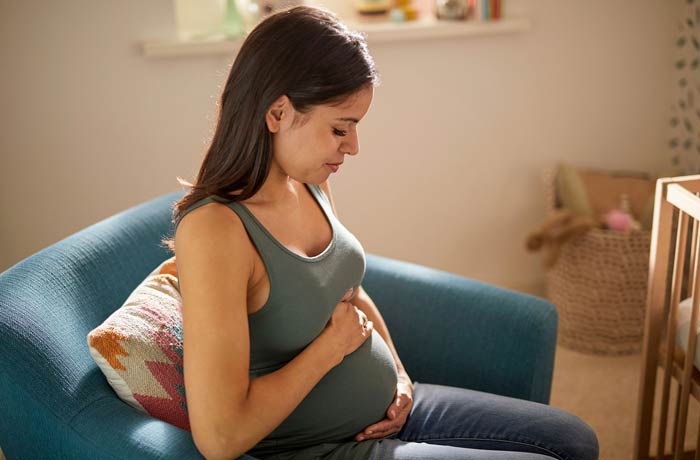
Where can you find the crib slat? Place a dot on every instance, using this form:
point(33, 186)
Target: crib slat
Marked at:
point(678, 407)
point(656, 296)
point(692, 251)
point(697, 443)
point(677, 280)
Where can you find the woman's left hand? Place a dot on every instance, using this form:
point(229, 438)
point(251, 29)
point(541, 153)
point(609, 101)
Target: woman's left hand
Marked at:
point(396, 414)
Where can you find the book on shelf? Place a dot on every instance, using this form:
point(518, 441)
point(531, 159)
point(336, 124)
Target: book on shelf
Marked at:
point(486, 10)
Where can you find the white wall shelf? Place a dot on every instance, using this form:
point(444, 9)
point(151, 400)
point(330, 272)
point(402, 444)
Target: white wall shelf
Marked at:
point(377, 32)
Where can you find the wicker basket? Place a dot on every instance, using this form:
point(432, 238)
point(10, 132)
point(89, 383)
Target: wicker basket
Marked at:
point(599, 286)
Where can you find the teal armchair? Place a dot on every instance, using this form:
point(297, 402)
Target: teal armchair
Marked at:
point(55, 403)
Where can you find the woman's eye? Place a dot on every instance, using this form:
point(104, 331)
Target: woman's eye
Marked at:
point(337, 132)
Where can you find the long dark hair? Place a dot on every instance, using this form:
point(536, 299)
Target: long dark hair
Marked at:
point(304, 52)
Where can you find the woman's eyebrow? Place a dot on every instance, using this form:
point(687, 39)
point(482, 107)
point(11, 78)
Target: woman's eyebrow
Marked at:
point(354, 120)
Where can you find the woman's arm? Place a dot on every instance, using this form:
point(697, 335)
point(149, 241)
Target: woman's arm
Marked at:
point(229, 414)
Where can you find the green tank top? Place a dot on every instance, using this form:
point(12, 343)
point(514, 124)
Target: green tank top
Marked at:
point(303, 294)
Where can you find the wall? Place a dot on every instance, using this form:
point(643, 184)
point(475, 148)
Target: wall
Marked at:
point(451, 150)
point(684, 117)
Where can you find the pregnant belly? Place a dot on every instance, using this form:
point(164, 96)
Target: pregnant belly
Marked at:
point(351, 396)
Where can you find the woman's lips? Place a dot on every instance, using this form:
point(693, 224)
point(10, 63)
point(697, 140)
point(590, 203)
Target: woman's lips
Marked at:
point(333, 168)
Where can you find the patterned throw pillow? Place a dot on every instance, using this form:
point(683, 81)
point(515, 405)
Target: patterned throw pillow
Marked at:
point(139, 348)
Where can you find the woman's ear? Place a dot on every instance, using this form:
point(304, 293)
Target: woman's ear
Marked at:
point(278, 111)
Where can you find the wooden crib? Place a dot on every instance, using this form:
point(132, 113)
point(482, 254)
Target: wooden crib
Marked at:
point(673, 243)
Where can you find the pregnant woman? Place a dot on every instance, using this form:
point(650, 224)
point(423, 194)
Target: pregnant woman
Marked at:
point(285, 355)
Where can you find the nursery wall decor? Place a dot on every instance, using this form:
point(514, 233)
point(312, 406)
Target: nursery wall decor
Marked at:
point(684, 143)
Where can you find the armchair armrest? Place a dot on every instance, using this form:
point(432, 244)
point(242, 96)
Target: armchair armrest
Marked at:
point(118, 431)
point(456, 331)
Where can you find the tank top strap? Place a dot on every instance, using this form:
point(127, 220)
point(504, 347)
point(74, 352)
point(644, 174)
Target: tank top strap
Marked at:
point(321, 198)
point(255, 230)
point(268, 246)
point(197, 204)
point(236, 207)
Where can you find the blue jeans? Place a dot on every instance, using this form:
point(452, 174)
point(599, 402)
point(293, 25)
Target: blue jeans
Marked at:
point(449, 423)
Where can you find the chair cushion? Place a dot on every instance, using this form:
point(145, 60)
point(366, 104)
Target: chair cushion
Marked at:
point(139, 348)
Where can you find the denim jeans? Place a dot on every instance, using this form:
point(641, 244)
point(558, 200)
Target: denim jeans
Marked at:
point(450, 423)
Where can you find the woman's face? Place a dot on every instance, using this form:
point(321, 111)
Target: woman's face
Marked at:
point(303, 151)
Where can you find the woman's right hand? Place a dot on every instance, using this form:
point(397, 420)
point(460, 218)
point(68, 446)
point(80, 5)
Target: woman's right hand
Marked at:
point(347, 328)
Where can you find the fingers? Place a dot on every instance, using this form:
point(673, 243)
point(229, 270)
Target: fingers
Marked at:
point(367, 330)
point(364, 320)
point(401, 404)
point(384, 425)
point(378, 433)
point(397, 414)
point(384, 428)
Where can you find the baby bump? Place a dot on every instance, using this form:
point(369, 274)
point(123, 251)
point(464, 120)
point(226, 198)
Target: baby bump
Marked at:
point(351, 396)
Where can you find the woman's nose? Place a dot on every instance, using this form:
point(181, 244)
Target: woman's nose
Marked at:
point(352, 147)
